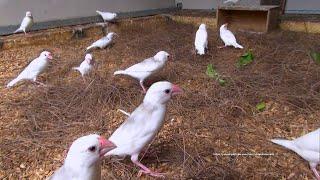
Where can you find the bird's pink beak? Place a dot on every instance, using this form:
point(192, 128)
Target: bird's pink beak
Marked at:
point(226, 24)
point(105, 146)
point(49, 56)
point(176, 90)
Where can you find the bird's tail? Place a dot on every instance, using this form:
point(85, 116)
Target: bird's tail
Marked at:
point(200, 51)
point(18, 30)
point(13, 82)
point(99, 12)
point(285, 143)
point(76, 68)
point(238, 46)
point(90, 48)
point(119, 72)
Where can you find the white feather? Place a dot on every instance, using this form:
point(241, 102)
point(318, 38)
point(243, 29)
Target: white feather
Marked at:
point(201, 40)
point(85, 67)
point(228, 37)
point(103, 42)
point(26, 24)
point(107, 16)
point(307, 146)
point(147, 67)
point(32, 70)
point(80, 164)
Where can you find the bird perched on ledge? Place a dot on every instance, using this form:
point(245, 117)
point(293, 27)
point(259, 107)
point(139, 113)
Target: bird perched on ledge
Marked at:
point(26, 23)
point(107, 16)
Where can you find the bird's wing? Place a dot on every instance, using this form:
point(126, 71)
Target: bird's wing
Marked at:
point(148, 65)
point(134, 128)
point(228, 37)
point(26, 22)
point(31, 68)
point(61, 173)
point(201, 38)
point(310, 141)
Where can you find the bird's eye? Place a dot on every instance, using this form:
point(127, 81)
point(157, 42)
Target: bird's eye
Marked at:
point(92, 149)
point(167, 91)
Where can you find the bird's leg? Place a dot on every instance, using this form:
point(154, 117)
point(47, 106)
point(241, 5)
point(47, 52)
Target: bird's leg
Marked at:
point(84, 79)
point(124, 112)
point(144, 169)
point(144, 89)
point(220, 47)
point(315, 173)
point(40, 83)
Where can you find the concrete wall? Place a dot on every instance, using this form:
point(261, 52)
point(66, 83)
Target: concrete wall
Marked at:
point(293, 6)
point(198, 4)
point(12, 11)
point(303, 6)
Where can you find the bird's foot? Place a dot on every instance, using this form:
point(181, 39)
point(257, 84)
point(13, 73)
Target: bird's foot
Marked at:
point(220, 47)
point(151, 173)
point(40, 84)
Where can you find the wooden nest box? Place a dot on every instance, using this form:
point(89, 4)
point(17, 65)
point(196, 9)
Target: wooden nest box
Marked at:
point(249, 15)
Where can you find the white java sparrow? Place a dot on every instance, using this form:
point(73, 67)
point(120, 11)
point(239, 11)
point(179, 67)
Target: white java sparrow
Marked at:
point(83, 159)
point(147, 67)
point(26, 23)
point(201, 41)
point(143, 124)
point(86, 65)
point(230, 1)
point(228, 38)
point(33, 69)
point(107, 16)
point(307, 146)
point(103, 42)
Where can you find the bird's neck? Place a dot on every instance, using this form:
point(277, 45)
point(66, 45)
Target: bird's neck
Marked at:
point(83, 170)
point(152, 105)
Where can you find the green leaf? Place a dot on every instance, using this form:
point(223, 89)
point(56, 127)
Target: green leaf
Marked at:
point(211, 72)
point(315, 56)
point(245, 59)
point(222, 82)
point(261, 106)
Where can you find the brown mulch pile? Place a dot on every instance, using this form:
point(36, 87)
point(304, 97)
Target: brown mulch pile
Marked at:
point(38, 124)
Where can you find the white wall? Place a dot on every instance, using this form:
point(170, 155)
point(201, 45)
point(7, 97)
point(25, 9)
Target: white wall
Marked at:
point(12, 11)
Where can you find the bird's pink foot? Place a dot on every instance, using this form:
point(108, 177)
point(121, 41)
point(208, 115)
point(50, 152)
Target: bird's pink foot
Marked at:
point(316, 173)
point(220, 47)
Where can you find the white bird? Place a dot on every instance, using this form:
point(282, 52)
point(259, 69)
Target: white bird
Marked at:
point(103, 42)
point(201, 41)
point(83, 159)
point(26, 23)
point(228, 38)
point(107, 16)
point(33, 69)
point(307, 146)
point(143, 124)
point(147, 67)
point(86, 65)
point(230, 1)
